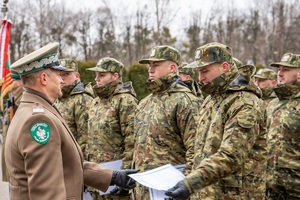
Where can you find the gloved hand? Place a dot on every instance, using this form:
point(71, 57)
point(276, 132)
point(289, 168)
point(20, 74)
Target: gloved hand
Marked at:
point(179, 191)
point(121, 178)
point(119, 191)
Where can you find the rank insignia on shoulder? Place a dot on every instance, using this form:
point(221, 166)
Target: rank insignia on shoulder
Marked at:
point(38, 109)
point(40, 132)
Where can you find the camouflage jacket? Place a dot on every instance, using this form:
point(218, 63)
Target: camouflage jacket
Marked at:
point(111, 119)
point(165, 124)
point(195, 88)
point(227, 131)
point(283, 138)
point(73, 106)
point(268, 95)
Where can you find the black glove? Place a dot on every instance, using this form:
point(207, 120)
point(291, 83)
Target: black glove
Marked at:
point(179, 191)
point(119, 191)
point(121, 179)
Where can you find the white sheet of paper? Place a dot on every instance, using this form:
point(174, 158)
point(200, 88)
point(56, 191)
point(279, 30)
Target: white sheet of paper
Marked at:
point(161, 178)
point(160, 194)
point(115, 165)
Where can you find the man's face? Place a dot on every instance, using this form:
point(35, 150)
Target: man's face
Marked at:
point(54, 85)
point(185, 77)
point(265, 83)
point(69, 78)
point(287, 75)
point(210, 72)
point(103, 78)
point(159, 69)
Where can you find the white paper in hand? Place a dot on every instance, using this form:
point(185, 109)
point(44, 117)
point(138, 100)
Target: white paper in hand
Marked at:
point(161, 178)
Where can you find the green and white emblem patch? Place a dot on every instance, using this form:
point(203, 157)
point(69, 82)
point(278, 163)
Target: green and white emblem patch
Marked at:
point(40, 132)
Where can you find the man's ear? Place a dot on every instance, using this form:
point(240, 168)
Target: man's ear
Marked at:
point(115, 76)
point(225, 66)
point(173, 67)
point(43, 78)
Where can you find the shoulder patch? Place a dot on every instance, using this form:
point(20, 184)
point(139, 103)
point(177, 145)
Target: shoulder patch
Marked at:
point(40, 132)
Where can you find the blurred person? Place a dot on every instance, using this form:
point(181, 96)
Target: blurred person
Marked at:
point(165, 121)
point(266, 80)
point(227, 130)
point(111, 119)
point(283, 166)
point(11, 108)
point(75, 102)
point(187, 76)
point(49, 165)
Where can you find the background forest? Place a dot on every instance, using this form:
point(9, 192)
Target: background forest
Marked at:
point(258, 35)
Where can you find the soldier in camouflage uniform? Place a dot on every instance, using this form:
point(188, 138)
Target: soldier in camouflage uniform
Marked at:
point(255, 165)
point(266, 80)
point(165, 121)
point(187, 76)
point(227, 131)
point(283, 166)
point(75, 102)
point(111, 119)
point(12, 106)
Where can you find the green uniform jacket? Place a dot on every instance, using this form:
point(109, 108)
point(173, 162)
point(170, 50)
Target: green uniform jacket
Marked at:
point(283, 169)
point(110, 124)
point(165, 125)
point(228, 129)
point(74, 105)
point(50, 170)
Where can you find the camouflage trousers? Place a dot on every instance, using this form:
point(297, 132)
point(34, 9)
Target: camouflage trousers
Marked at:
point(283, 183)
point(215, 192)
point(96, 196)
point(140, 193)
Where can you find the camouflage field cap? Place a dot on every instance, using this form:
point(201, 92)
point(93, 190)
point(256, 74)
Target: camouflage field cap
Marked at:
point(15, 75)
point(70, 64)
point(211, 53)
point(45, 57)
point(188, 71)
point(107, 65)
point(288, 60)
point(162, 53)
point(266, 73)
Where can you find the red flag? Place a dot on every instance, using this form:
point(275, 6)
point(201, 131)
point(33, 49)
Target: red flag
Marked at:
point(5, 74)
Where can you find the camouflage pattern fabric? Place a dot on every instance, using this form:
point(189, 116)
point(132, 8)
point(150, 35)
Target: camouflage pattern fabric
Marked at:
point(228, 129)
point(165, 127)
point(111, 119)
point(283, 166)
point(288, 60)
point(211, 53)
point(73, 106)
point(6, 123)
point(195, 88)
point(188, 71)
point(266, 73)
point(162, 53)
point(70, 64)
point(108, 65)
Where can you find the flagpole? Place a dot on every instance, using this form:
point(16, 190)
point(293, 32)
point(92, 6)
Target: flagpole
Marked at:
point(4, 8)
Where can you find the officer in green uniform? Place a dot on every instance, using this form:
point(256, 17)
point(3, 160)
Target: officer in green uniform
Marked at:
point(283, 166)
point(43, 159)
point(75, 102)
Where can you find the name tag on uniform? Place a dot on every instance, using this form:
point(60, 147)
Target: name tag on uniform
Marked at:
point(38, 110)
